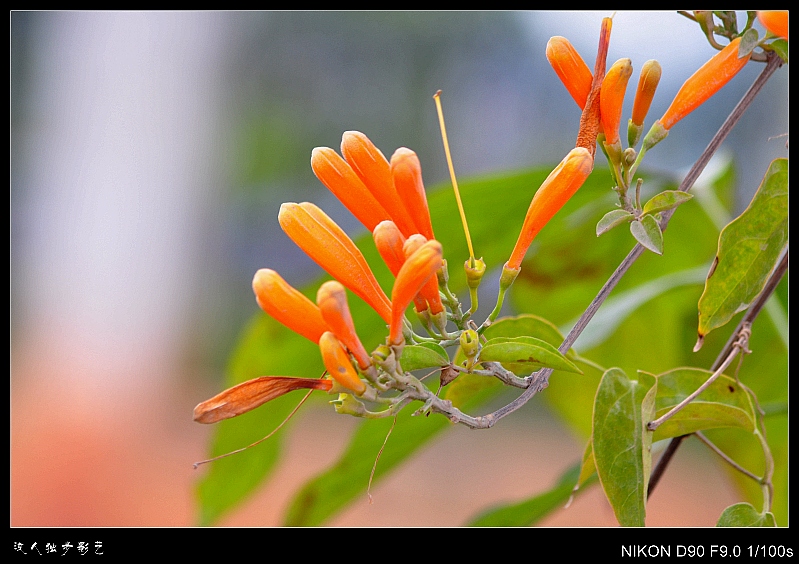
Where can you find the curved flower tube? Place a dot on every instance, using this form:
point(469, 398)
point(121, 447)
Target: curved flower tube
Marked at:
point(417, 270)
point(375, 172)
point(705, 82)
point(327, 244)
point(251, 394)
point(429, 292)
point(332, 301)
point(559, 186)
point(338, 364)
point(341, 180)
point(287, 305)
point(390, 243)
point(406, 170)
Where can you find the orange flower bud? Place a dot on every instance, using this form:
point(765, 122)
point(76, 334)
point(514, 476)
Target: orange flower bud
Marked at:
point(559, 186)
point(406, 170)
point(374, 171)
point(251, 394)
point(775, 21)
point(647, 84)
point(417, 270)
point(332, 301)
point(327, 244)
point(338, 364)
point(570, 68)
point(611, 98)
point(287, 305)
point(705, 82)
point(341, 180)
point(429, 292)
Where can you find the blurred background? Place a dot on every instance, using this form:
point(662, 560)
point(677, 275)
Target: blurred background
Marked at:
point(150, 153)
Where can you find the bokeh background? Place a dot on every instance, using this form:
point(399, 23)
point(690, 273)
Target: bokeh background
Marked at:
point(150, 153)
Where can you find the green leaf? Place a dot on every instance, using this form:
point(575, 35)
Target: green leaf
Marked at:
point(527, 350)
point(666, 200)
point(612, 219)
point(425, 355)
point(587, 466)
point(748, 42)
point(780, 46)
point(648, 233)
point(745, 515)
point(531, 511)
point(723, 404)
point(748, 250)
point(622, 444)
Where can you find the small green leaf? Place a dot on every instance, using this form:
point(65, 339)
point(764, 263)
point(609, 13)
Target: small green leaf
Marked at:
point(723, 404)
point(745, 515)
point(526, 350)
point(780, 46)
point(612, 219)
point(748, 42)
point(666, 200)
point(622, 444)
point(425, 355)
point(587, 466)
point(530, 511)
point(748, 250)
point(648, 233)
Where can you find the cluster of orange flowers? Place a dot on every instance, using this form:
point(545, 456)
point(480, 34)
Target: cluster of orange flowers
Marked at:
point(388, 197)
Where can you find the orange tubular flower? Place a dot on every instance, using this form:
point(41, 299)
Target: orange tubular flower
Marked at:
point(705, 82)
point(775, 21)
point(375, 172)
point(338, 364)
point(647, 84)
point(417, 270)
point(429, 292)
point(570, 68)
point(341, 180)
point(332, 301)
point(559, 186)
point(287, 305)
point(251, 394)
point(406, 170)
point(611, 99)
point(327, 244)
point(389, 242)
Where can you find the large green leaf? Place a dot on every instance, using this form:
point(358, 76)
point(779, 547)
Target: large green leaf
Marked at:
point(723, 404)
point(745, 515)
point(748, 250)
point(426, 355)
point(622, 444)
point(531, 511)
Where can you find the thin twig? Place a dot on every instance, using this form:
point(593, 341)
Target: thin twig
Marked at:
point(740, 346)
point(726, 458)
